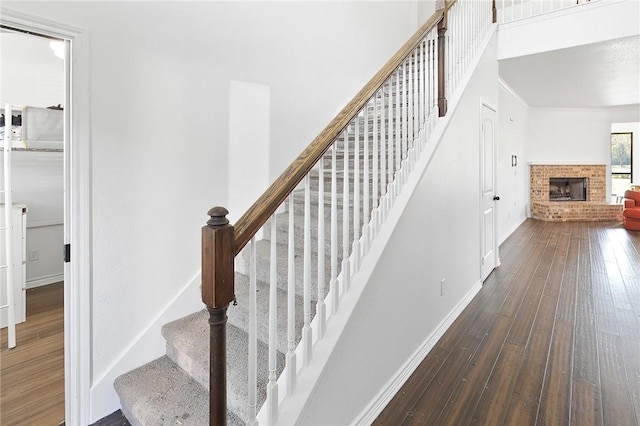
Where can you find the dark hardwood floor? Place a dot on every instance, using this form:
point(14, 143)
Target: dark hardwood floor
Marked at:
point(553, 338)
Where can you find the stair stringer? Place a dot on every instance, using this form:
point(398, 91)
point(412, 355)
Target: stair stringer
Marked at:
point(292, 407)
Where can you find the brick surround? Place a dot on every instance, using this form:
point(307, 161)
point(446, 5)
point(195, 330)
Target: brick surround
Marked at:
point(595, 208)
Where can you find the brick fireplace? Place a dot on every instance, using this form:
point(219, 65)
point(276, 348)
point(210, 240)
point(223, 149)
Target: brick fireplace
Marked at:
point(595, 208)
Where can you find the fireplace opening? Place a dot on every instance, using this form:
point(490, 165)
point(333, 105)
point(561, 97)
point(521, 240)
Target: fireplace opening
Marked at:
point(567, 189)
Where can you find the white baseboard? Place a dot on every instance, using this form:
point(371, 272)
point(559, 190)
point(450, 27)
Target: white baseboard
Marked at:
point(46, 280)
point(375, 407)
point(513, 228)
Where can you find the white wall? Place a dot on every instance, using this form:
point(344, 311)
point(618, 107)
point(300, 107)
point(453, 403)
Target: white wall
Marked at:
point(32, 75)
point(438, 236)
point(38, 183)
point(249, 145)
point(159, 90)
point(426, 8)
point(575, 136)
point(513, 182)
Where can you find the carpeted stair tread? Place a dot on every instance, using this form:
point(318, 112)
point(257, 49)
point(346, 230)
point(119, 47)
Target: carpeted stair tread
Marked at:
point(161, 393)
point(188, 347)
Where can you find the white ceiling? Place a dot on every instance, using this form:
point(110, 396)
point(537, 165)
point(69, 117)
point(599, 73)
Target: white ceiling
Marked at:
point(590, 76)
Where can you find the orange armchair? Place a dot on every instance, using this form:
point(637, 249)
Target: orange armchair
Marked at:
point(631, 212)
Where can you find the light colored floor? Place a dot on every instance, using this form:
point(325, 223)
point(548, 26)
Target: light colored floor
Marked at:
point(32, 373)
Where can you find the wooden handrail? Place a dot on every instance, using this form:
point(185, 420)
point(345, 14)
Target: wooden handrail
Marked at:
point(277, 193)
point(221, 242)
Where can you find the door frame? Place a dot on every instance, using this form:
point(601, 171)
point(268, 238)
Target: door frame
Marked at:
point(483, 104)
point(77, 202)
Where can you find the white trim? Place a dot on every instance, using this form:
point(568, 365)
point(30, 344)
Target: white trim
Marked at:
point(77, 303)
point(512, 92)
point(382, 399)
point(512, 230)
point(42, 281)
point(44, 223)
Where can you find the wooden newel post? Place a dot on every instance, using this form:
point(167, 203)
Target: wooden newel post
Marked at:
point(494, 12)
point(442, 97)
point(217, 293)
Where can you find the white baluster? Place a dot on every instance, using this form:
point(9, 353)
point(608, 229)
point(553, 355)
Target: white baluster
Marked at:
point(459, 30)
point(291, 303)
point(320, 305)
point(346, 272)
point(333, 285)
point(306, 278)
point(383, 157)
point(272, 386)
point(466, 34)
point(356, 197)
point(398, 126)
point(405, 110)
point(375, 168)
point(253, 337)
point(416, 91)
point(366, 183)
point(423, 80)
point(448, 63)
point(434, 76)
point(521, 7)
point(430, 84)
point(390, 149)
point(410, 117)
point(459, 38)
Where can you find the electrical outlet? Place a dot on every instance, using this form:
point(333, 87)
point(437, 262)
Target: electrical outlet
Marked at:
point(442, 285)
point(34, 254)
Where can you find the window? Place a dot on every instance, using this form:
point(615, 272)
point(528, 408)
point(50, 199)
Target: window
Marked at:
point(621, 159)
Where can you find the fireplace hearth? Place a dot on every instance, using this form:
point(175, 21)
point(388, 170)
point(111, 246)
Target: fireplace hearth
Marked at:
point(558, 195)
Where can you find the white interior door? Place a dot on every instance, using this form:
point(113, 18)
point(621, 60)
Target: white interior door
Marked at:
point(489, 250)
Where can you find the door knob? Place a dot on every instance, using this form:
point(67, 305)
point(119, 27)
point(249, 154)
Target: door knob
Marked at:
point(496, 198)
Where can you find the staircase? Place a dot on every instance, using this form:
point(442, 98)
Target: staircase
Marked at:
point(311, 246)
point(173, 389)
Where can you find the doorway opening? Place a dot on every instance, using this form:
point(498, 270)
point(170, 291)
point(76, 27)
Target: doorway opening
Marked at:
point(34, 99)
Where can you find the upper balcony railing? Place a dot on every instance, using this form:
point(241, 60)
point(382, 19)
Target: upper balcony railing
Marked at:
point(513, 10)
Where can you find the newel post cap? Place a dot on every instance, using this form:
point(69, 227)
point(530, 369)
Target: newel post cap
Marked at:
point(218, 216)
